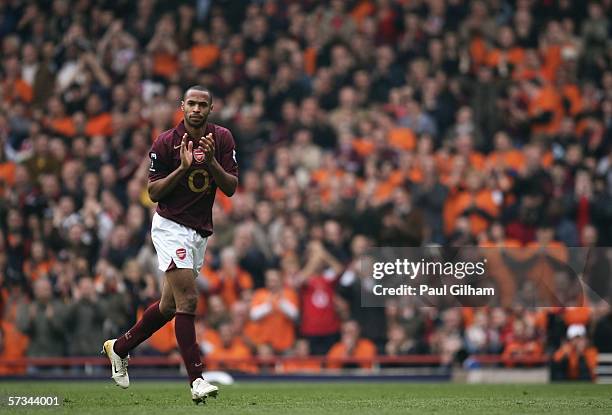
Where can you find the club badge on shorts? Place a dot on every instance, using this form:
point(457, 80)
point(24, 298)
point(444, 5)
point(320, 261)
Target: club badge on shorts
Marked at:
point(198, 155)
point(181, 253)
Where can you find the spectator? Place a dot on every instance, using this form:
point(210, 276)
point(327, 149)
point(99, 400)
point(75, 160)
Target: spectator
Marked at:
point(480, 337)
point(85, 320)
point(231, 282)
point(316, 282)
point(231, 348)
point(300, 361)
point(575, 359)
point(217, 311)
point(41, 160)
point(524, 345)
point(13, 346)
point(351, 346)
point(603, 328)
point(417, 120)
point(448, 339)
point(265, 353)
point(274, 309)
point(250, 258)
point(352, 285)
point(398, 343)
point(242, 324)
point(43, 322)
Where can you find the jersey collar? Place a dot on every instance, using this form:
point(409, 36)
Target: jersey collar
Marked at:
point(180, 129)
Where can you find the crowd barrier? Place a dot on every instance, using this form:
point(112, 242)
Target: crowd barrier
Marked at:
point(604, 368)
point(407, 360)
point(480, 368)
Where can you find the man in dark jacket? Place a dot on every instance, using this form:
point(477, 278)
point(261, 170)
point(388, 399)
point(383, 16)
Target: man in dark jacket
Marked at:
point(43, 321)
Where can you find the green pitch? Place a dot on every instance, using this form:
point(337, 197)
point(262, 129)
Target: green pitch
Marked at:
point(152, 398)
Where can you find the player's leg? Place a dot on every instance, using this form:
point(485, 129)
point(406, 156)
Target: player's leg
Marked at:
point(166, 303)
point(154, 318)
point(186, 300)
point(165, 238)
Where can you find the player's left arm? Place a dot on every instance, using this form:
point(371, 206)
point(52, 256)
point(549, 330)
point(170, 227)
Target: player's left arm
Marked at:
point(222, 174)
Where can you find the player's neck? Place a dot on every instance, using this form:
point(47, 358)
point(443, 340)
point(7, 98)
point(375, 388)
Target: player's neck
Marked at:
point(196, 132)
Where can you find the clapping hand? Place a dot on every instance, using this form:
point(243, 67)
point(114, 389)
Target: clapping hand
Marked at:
point(208, 145)
point(186, 153)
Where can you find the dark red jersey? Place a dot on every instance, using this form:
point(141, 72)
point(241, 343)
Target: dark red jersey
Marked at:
point(190, 202)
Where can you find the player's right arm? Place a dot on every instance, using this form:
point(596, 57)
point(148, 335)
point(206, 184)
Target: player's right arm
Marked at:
point(160, 187)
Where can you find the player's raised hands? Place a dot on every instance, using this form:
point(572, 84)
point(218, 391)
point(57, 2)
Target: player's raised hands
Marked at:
point(208, 145)
point(186, 152)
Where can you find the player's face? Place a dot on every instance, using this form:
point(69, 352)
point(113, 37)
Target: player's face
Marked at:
point(196, 107)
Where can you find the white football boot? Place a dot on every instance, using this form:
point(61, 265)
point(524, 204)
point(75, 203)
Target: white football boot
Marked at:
point(120, 373)
point(200, 390)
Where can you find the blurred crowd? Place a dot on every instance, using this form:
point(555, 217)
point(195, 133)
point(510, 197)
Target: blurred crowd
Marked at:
point(358, 123)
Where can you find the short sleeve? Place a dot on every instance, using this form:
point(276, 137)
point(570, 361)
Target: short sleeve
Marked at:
point(159, 167)
point(228, 154)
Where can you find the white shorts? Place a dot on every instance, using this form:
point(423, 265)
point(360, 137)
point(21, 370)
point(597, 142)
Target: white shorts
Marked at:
point(177, 243)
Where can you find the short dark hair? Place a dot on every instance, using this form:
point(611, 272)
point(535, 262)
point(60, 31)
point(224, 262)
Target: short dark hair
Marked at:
point(199, 88)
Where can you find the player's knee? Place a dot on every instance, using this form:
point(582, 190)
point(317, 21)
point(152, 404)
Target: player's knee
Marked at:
point(188, 303)
point(167, 310)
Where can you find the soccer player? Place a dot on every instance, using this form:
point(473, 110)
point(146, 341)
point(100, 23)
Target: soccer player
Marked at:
point(188, 164)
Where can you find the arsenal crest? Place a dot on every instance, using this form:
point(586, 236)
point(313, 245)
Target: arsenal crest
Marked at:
point(198, 155)
point(181, 253)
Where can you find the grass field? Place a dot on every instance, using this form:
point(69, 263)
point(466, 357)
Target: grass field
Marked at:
point(152, 398)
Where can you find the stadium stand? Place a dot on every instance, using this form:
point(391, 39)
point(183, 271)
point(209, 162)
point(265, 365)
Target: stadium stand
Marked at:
point(358, 123)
